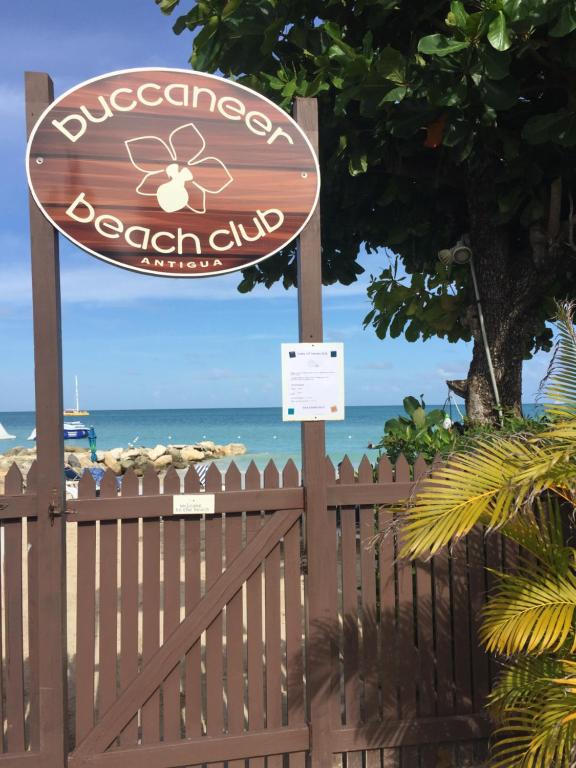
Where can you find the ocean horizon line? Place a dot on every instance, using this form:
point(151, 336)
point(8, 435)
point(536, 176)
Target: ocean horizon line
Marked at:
point(248, 408)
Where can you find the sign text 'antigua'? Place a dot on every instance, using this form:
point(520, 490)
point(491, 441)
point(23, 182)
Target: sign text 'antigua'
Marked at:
point(172, 172)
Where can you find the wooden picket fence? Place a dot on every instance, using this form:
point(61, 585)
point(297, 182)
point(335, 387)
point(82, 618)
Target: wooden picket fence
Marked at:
point(191, 641)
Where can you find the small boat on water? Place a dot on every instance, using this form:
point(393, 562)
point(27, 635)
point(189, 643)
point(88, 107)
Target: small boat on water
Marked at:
point(4, 434)
point(76, 411)
point(73, 430)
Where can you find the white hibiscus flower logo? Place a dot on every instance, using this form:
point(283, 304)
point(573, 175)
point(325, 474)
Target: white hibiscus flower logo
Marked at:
point(191, 176)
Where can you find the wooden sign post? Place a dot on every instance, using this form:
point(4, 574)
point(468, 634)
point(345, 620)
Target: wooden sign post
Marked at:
point(48, 532)
point(319, 519)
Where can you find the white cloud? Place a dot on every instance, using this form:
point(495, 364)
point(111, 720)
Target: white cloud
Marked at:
point(456, 369)
point(95, 282)
point(98, 283)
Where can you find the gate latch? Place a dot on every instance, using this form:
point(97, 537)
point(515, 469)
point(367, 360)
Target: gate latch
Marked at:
point(54, 508)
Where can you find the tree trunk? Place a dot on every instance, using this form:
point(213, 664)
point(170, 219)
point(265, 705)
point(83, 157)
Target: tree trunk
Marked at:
point(505, 277)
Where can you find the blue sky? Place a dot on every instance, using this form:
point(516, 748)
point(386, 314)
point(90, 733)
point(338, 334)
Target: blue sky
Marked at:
point(146, 342)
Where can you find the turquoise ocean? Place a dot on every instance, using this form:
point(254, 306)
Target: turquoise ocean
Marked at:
point(261, 430)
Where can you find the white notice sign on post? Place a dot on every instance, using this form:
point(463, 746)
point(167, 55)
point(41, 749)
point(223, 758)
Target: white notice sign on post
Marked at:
point(312, 382)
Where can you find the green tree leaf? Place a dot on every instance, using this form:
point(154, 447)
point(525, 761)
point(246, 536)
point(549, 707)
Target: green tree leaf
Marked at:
point(167, 6)
point(419, 416)
point(498, 33)
point(566, 21)
point(410, 405)
point(559, 127)
point(392, 65)
point(458, 14)
point(440, 45)
point(358, 163)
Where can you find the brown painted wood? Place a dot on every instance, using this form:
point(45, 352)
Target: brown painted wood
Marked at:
point(33, 636)
point(25, 760)
point(424, 622)
point(347, 494)
point(192, 594)
point(169, 655)
point(406, 652)
point(425, 629)
point(14, 671)
point(18, 506)
point(387, 567)
point(107, 652)
point(370, 656)
point(119, 508)
point(461, 620)
point(85, 627)
point(273, 634)
point(215, 630)
point(260, 175)
point(406, 733)
point(353, 694)
point(13, 485)
point(350, 588)
point(477, 581)
point(255, 644)
point(320, 523)
point(150, 607)
point(202, 751)
point(443, 634)
point(294, 620)
point(129, 603)
point(494, 544)
point(234, 656)
point(2, 668)
point(51, 542)
point(171, 604)
point(14, 482)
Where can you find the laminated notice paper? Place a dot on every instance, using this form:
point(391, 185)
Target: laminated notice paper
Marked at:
point(313, 382)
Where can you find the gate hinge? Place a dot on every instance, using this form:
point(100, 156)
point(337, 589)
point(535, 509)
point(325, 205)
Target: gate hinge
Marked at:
point(54, 507)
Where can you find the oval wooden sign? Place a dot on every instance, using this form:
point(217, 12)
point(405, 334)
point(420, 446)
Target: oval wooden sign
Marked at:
point(172, 172)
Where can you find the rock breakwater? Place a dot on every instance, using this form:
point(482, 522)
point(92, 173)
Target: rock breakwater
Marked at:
point(120, 460)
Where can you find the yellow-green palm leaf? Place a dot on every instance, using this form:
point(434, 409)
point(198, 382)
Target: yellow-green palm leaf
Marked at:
point(532, 611)
point(536, 736)
point(523, 683)
point(540, 533)
point(476, 487)
point(538, 729)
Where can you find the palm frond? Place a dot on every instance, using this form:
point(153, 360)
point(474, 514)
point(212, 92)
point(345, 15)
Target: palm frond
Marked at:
point(560, 381)
point(523, 682)
point(539, 531)
point(554, 466)
point(531, 611)
point(475, 487)
point(537, 729)
point(536, 736)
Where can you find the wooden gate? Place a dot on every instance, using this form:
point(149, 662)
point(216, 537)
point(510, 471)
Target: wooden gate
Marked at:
point(273, 633)
point(187, 608)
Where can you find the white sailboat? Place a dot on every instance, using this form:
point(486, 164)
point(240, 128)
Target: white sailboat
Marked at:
point(76, 411)
point(4, 434)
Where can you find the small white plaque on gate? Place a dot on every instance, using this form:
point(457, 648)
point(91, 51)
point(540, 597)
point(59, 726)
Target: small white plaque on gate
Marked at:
point(193, 504)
